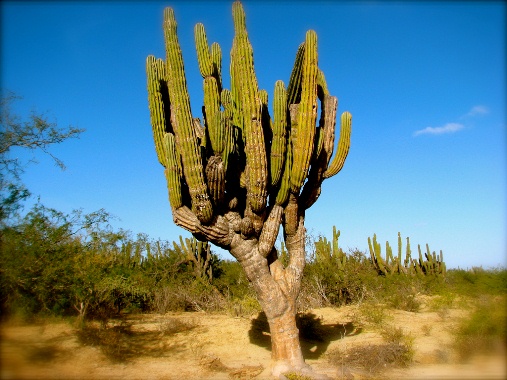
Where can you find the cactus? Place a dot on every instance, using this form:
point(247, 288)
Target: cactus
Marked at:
point(199, 254)
point(328, 254)
point(433, 265)
point(237, 177)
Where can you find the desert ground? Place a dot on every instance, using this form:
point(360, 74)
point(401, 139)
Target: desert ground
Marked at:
point(195, 345)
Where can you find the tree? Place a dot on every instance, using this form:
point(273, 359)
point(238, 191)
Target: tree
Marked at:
point(36, 133)
point(236, 179)
point(52, 262)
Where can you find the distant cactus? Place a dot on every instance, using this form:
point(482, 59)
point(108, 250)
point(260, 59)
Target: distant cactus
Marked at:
point(328, 254)
point(199, 254)
point(433, 265)
point(234, 179)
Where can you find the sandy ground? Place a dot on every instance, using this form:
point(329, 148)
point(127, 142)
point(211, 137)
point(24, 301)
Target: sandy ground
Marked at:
point(204, 346)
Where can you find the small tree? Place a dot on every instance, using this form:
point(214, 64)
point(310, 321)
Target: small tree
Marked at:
point(36, 133)
point(234, 180)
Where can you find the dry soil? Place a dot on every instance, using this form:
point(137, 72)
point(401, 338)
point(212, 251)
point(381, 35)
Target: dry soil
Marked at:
point(212, 346)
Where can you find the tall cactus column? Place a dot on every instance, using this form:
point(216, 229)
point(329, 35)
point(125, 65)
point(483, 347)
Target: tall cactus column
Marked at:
point(238, 175)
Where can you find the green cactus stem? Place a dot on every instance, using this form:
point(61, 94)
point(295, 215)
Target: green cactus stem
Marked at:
point(204, 57)
point(197, 253)
point(328, 254)
point(376, 255)
point(279, 141)
point(294, 88)
point(303, 136)
point(343, 146)
point(157, 91)
point(173, 172)
point(246, 88)
point(182, 122)
point(433, 265)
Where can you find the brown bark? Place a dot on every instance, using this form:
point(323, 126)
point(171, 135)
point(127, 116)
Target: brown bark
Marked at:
point(286, 351)
point(277, 287)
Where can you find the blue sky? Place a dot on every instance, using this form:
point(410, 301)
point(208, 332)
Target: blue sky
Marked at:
point(424, 81)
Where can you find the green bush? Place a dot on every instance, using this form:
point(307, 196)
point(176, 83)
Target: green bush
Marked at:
point(335, 286)
point(477, 281)
point(57, 264)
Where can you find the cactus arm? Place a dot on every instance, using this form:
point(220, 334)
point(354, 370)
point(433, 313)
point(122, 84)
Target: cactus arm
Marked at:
point(279, 140)
point(213, 117)
point(155, 73)
point(246, 81)
point(428, 252)
point(173, 172)
point(408, 255)
point(336, 235)
point(343, 146)
point(227, 120)
point(322, 84)
point(216, 56)
point(182, 122)
point(294, 88)
point(204, 58)
point(421, 260)
point(399, 248)
point(312, 188)
point(303, 136)
point(215, 177)
point(283, 192)
point(217, 231)
point(376, 254)
point(442, 264)
point(399, 266)
point(389, 263)
point(210, 66)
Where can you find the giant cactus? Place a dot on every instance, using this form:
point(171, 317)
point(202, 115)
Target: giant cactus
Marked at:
point(237, 177)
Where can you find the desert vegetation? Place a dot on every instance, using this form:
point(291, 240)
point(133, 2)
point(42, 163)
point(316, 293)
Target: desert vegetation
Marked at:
point(77, 268)
point(72, 282)
point(128, 299)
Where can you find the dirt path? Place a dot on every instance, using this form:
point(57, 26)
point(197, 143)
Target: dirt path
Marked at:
point(203, 346)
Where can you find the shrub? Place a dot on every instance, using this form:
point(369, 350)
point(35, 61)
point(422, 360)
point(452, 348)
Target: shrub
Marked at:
point(484, 331)
point(397, 351)
point(478, 281)
point(331, 285)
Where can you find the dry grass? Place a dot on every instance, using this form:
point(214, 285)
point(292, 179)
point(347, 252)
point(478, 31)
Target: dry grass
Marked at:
point(484, 331)
point(373, 359)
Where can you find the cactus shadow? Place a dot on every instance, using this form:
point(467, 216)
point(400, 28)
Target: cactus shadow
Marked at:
point(315, 336)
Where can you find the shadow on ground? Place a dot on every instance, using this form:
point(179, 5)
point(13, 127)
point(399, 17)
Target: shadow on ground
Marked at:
point(315, 336)
point(121, 344)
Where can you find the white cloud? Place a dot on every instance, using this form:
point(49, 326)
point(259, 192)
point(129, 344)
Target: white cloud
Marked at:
point(477, 110)
point(448, 128)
